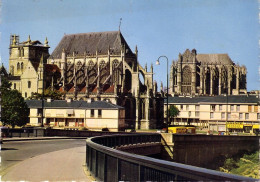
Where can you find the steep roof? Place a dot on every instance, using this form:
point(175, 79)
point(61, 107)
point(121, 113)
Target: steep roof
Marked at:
point(63, 104)
point(231, 99)
point(214, 59)
point(90, 43)
point(3, 70)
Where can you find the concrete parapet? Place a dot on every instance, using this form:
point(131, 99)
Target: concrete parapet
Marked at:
point(206, 150)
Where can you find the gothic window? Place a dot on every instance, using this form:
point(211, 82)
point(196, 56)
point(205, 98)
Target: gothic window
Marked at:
point(22, 52)
point(90, 65)
point(79, 64)
point(21, 66)
point(18, 66)
point(12, 70)
point(102, 64)
point(116, 71)
point(92, 72)
point(186, 76)
point(103, 71)
point(79, 73)
point(186, 79)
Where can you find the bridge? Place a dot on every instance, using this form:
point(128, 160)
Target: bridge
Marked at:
point(114, 158)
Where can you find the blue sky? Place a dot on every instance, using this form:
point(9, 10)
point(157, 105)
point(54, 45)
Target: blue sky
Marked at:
point(157, 27)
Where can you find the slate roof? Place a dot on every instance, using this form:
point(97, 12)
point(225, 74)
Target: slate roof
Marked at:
point(63, 104)
point(236, 99)
point(3, 70)
point(51, 68)
point(47, 67)
point(214, 59)
point(90, 43)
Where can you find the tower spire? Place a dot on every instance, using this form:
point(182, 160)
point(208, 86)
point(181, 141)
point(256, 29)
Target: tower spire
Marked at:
point(29, 39)
point(120, 24)
point(46, 42)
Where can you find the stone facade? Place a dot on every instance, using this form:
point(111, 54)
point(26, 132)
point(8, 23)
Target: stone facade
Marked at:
point(99, 65)
point(26, 63)
point(206, 74)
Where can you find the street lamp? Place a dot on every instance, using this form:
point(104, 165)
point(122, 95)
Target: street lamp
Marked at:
point(42, 96)
point(158, 63)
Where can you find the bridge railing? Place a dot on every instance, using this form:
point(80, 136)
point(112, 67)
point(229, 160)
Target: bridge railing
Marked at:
point(106, 163)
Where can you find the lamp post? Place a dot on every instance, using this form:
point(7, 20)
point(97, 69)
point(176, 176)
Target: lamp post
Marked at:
point(42, 98)
point(167, 115)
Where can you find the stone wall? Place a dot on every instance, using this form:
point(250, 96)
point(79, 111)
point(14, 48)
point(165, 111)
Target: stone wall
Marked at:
point(206, 150)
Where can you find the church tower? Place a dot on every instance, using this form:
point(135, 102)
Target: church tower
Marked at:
point(23, 52)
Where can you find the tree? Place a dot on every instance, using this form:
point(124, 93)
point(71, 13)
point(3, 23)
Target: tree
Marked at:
point(173, 111)
point(48, 93)
point(14, 110)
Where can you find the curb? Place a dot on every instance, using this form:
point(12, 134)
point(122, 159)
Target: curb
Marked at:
point(40, 138)
point(87, 173)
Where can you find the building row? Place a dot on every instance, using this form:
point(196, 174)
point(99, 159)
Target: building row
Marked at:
point(235, 113)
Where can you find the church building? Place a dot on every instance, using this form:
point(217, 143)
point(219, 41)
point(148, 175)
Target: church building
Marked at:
point(206, 74)
point(97, 66)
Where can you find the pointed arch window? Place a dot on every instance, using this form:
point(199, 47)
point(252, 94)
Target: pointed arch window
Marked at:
point(186, 76)
point(79, 64)
point(18, 66)
point(90, 65)
point(186, 80)
point(102, 64)
point(12, 70)
point(116, 71)
point(21, 66)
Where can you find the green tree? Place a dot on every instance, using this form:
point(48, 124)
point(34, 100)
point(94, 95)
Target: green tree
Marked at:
point(48, 93)
point(173, 111)
point(14, 109)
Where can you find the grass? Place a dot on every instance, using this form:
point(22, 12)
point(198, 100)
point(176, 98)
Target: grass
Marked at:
point(248, 165)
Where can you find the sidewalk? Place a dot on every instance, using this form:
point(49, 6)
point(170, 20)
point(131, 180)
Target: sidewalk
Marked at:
point(63, 165)
point(38, 138)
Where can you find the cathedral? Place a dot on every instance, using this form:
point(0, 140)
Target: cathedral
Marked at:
point(206, 74)
point(97, 66)
point(101, 66)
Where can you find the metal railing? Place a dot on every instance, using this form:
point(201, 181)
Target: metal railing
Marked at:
point(106, 163)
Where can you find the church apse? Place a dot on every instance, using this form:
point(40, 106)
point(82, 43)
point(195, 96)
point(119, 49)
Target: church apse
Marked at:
point(206, 74)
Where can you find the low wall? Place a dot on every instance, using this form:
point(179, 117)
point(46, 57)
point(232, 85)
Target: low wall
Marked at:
point(78, 133)
point(207, 150)
point(41, 132)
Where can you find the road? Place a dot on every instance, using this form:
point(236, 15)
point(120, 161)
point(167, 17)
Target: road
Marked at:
point(33, 155)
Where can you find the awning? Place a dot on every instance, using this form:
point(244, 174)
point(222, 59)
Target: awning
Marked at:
point(70, 111)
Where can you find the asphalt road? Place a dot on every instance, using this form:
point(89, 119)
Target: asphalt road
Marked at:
point(14, 152)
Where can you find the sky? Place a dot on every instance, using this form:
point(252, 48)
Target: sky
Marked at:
point(157, 27)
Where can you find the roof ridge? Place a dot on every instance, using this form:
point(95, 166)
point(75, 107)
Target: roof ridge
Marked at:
point(90, 33)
